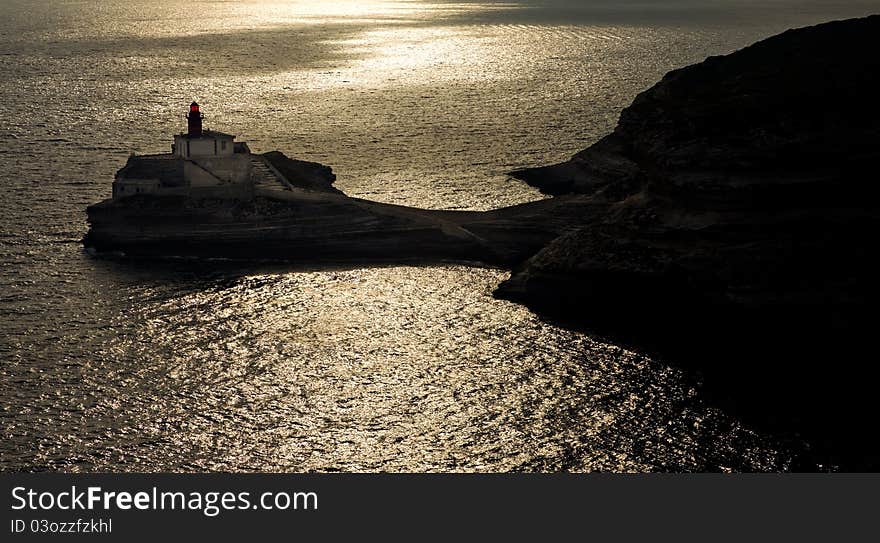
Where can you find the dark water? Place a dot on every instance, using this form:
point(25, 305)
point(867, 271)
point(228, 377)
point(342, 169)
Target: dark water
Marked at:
point(111, 365)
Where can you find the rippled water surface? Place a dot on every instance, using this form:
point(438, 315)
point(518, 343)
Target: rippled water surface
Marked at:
point(110, 365)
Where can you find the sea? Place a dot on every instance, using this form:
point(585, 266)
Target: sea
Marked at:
point(108, 364)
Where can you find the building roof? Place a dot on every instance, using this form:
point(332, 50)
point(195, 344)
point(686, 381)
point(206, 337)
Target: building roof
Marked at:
point(168, 169)
point(210, 134)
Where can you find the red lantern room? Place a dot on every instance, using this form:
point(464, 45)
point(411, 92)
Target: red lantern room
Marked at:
point(194, 121)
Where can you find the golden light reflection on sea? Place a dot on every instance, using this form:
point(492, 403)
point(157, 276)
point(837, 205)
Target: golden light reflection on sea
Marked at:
point(114, 365)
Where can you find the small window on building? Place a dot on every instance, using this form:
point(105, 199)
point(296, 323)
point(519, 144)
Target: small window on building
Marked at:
point(223, 145)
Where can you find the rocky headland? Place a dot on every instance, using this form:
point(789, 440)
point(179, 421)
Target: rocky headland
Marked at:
point(735, 208)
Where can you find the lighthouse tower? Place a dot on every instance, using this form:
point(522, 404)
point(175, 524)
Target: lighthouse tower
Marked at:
point(194, 121)
point(201, 161)
point(198, 143)
point(210, 157)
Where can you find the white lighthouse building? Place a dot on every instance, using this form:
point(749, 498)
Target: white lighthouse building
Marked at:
point(201, 162)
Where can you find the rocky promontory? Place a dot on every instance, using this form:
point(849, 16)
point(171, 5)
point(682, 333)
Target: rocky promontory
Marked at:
point(735, 207)
point(306, 220)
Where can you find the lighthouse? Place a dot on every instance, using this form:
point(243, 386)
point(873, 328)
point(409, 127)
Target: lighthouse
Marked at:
point(201, 161)
point(194, 121)
point(198, 143)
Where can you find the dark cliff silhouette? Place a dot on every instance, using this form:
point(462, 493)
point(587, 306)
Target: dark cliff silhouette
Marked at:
point(734, 214)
